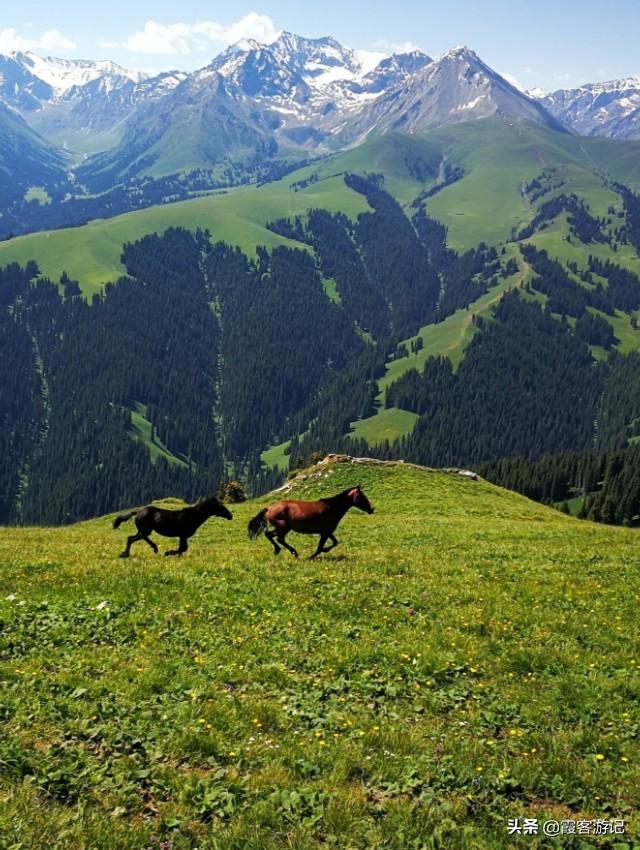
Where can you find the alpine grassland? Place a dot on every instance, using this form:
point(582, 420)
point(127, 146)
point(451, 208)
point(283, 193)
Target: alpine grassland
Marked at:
point(464, 657)
point(496, 158)
point(92, 253)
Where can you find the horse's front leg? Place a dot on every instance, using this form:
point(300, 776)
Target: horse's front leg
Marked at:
point(151, 543)
point(182, 548)
point(320, 549)
point(334, 543)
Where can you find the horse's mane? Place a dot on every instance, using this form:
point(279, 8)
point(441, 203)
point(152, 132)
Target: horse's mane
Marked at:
point(203, 500)
point(342, 494)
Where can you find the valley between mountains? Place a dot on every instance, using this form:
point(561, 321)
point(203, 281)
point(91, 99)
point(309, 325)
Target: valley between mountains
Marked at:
point(303, 248)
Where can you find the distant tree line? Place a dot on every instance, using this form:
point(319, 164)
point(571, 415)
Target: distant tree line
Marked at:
point(582, 224)
point(606, 486)
point(227, 354)
point(85, 365)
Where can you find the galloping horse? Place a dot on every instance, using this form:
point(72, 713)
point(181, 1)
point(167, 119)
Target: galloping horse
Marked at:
point(319, 517)
point(182, 523)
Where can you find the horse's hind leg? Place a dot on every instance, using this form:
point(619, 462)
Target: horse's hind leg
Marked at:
point(144, 530)
point(151, 543)
point(270, 535)
point(130, 541)
point(284, 543)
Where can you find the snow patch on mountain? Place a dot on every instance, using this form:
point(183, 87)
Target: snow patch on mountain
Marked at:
point(65, 74)
point(609, 108)
point(369, 59)
point(536, 93)
point(260, 99)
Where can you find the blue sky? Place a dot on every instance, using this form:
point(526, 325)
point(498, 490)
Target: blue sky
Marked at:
point(548, 43)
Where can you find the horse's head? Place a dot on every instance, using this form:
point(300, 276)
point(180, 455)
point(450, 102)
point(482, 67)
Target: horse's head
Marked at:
point(214, 507)
point(359, 500)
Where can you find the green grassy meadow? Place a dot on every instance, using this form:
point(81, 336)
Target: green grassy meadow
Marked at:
point(276, 456)
point(91, 253)
point(37, 193)
point(499, 157)
point(465, 656)
point(142, 430)
point(388, 423)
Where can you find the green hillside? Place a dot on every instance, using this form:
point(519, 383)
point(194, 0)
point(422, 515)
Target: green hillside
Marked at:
point(487, 204)
point(496, 156)
point(499, 157)
point(466, 656)
point(444, 339)
point(91, 254)
point(472, 178)
point(142, 429)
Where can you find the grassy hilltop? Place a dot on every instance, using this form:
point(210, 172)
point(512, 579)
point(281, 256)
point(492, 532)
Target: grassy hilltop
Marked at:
point(464, 656)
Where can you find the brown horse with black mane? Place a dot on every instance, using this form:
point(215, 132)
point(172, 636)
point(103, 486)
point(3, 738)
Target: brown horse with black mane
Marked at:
point(319, 517)
point(182, 523)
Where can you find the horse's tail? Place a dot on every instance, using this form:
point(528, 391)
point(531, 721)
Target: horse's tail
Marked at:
point(123, 518)
point(258, 524)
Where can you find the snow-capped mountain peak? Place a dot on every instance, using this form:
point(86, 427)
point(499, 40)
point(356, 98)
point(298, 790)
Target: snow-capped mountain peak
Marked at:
point(288, 94)
point(243, 46)
point(610, 108)
point(456, 87)
point(64, 74)
point(293, 70)
point(369, 60)
point(459, 52)
point(59, 97)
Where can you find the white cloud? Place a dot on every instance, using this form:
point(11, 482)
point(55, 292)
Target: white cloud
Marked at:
point(395, 46)
point(49, 40)
point(181, 38)
point(511, 78)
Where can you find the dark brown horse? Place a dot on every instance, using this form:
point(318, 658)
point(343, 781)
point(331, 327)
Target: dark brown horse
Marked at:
point(182, 523)
point(320, 517)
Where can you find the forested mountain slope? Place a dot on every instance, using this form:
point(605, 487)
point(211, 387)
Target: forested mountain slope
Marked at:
point(314, 304)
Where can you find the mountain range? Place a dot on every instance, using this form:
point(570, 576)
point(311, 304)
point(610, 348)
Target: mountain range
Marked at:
point(284, 102)
point(609, 109)
point(455, 267)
